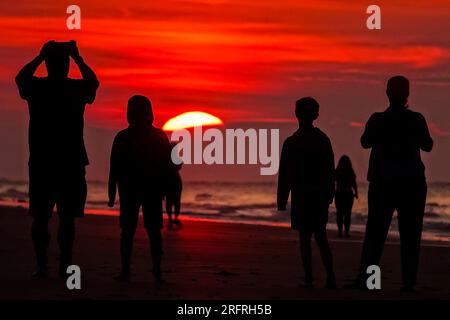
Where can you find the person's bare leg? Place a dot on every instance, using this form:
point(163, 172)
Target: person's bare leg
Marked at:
point(177, 205)
point(347, 222)
point(129, 215)
point(327, 258)
point(339, 221)
point(66, 237)
point(169, 212)
point(306, 255)
point(40, 237)
point(156, 251)
point(126, 250)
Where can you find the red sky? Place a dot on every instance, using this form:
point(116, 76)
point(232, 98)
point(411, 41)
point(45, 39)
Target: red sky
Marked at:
point(245, 61)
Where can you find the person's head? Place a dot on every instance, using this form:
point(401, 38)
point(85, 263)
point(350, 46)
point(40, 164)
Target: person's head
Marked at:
point(398, 91)
point(307, 110)
point(57, 60)
point(345, 166)
point(344, 162)
point(139, 112)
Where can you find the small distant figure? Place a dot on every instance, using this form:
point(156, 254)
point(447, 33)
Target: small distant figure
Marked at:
point(346, 191)
point(140, 167)
point(307, 173)
point(174, 190)
point(56, 104)
point(396, 181)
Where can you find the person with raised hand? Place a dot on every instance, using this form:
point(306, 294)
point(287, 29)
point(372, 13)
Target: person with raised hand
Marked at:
point(57, 154)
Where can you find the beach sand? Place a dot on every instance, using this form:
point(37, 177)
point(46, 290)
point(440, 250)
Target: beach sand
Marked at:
point(204, 260)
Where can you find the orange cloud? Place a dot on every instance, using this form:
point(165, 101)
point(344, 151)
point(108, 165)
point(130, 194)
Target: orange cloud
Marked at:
point(239, 59)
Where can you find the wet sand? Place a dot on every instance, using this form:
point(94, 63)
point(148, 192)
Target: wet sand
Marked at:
point(204, 260)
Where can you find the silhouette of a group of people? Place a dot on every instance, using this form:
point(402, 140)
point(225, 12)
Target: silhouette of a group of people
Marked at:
point(140, 168)
point(396, 182)
point(142, 172)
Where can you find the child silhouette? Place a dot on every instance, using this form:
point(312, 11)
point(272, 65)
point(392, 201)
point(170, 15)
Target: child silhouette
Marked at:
point(140, 167)
point(307, 173)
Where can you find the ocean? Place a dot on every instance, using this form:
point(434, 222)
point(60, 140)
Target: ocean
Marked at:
point(249, 202)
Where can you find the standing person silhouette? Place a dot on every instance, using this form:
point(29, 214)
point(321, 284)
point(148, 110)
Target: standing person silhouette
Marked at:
point(346, 190)
point(58, 157)
point(396, 181)
point(140, 168)
point(174, 190)
point(307, 172)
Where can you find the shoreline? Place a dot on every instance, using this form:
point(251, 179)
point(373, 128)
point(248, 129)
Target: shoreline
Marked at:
point(441, 238)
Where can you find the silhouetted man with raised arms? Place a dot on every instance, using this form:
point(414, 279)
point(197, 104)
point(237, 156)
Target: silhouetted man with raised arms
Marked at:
point(307, 172)
point(140, 168)
point(58, 156)
point(396, 181)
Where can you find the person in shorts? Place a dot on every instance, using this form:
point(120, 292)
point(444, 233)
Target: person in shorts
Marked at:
point(140, 168)
point(56, 105)
point(307, 173)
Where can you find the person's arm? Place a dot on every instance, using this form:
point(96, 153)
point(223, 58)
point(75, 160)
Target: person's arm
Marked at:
point(169, 167)
point(87, 73)
point(112, 183)
point(26, 75)
point(330, 171)
point(367, 139)
point(425, 140)
point(284, 187)
point(355, 188)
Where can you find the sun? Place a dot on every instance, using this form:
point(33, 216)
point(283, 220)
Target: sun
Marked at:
point(191, 119)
